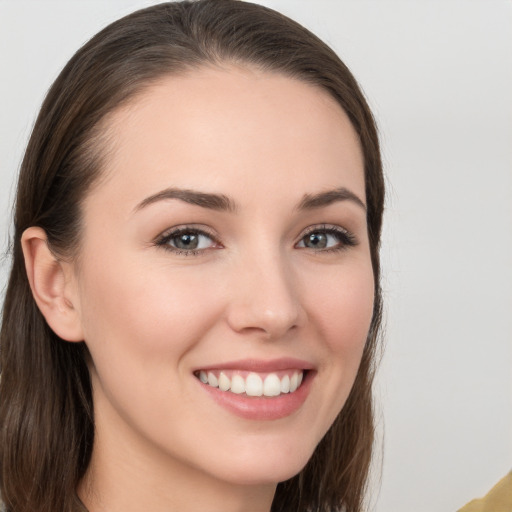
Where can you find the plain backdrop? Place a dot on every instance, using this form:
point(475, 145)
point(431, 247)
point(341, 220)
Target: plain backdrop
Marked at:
point(438, 75)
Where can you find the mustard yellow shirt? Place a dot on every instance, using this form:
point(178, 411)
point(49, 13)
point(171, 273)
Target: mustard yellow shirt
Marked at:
point(498, 499)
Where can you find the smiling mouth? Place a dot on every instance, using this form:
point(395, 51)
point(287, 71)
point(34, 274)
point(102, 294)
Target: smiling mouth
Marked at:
point(253, 384)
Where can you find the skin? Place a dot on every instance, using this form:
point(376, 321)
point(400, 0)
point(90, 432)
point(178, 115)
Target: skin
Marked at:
point(151, 316)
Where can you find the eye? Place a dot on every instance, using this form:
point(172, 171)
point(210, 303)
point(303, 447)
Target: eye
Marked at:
point(187, 240)
point(327, 238)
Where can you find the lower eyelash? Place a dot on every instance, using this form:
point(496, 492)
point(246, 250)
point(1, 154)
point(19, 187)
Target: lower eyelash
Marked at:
point(181, 252)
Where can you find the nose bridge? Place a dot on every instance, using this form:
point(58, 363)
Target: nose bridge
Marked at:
point(265, 297)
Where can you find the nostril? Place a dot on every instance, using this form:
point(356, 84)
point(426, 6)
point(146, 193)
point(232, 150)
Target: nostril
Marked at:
point(270, 324)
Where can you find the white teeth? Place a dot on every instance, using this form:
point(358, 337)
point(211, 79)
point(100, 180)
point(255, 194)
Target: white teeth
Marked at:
point(212, 380)
point(253, 384)
point(293, 383)
point(272, 385)
point(285, 384)
point(237, 384)
point(224, 382)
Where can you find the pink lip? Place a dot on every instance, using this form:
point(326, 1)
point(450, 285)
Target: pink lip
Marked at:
point(262, 408)
point(260, 365)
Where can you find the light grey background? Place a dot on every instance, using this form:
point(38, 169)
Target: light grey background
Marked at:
point(438, 75)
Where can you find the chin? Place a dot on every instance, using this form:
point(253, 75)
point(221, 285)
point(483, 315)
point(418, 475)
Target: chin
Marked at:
point(266, 467)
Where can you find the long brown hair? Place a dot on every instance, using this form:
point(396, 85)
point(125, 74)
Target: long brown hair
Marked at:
point(46, 409)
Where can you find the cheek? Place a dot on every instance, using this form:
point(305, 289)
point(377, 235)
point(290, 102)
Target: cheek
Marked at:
point(341, 310)
point(140, 325)
point(153, 313)
point(342, 305)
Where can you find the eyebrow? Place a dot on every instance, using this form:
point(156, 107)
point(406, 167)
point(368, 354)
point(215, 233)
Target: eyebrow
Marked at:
point(221, 202)
point(218, 202)
point(322, 199)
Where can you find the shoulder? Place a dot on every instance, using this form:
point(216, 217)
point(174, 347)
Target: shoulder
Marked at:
point(498, 499)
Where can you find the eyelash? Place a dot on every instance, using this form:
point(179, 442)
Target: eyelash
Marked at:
point(345, 239)
point(164, 239)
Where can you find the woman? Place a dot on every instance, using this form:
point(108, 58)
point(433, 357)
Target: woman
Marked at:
point(195, 261)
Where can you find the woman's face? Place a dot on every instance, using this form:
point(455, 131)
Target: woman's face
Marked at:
point(227, 242)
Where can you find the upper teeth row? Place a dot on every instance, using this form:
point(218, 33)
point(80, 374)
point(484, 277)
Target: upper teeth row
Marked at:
point(253, 384)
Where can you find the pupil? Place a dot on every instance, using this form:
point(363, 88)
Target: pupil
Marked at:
point(317, 240)
point(187, 241)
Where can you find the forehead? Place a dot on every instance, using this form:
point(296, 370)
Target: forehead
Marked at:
point(232, 127)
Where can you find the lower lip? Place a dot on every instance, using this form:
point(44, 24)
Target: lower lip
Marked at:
point(261, 407)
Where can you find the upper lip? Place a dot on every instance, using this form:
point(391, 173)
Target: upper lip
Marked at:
point(261, 365)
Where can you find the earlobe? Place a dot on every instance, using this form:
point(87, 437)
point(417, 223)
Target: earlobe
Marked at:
point(51, 286)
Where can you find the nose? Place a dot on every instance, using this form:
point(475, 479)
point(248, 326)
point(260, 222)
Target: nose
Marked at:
point(264, 298)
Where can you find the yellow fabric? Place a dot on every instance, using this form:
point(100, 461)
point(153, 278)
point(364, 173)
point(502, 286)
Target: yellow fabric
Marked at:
point(498, 499)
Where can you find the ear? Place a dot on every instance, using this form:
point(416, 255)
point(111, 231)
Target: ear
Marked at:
point(52, 284)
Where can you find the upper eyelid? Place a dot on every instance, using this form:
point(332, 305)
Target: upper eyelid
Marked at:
point(204, 230)
point(323, 227)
